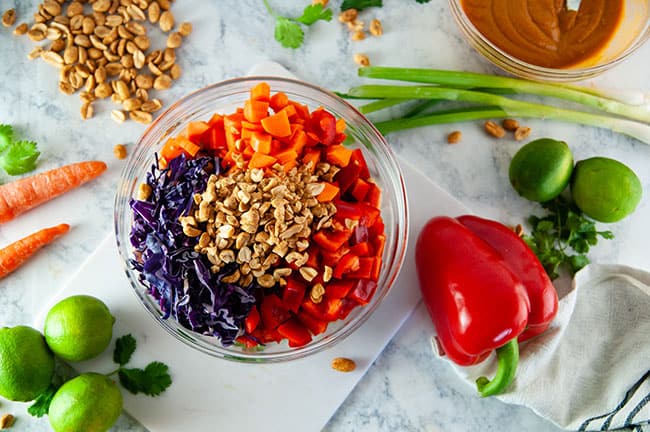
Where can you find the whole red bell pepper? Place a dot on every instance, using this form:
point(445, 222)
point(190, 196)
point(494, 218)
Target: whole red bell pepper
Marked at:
point(477, 300)
point(523, 262)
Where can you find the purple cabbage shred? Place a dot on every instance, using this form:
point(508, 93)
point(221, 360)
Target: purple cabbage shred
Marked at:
point(177, 276)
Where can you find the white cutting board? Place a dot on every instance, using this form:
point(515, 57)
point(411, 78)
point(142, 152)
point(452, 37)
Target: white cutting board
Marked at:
point(212, 394)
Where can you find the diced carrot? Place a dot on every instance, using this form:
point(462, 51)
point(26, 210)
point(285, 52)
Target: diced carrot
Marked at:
point(233, 121)
point(188, 146)
point(299, 141)
point(246, 133)
point(301, 110)
point(171, 149)
point(312, 156)
point(251, 126)
point(279, 101)
point(21, 195)
point(277, 124)
point(195, 131)
point(286, 156)
point(291, 110)
point(261, 92)
point(255, 110)
point(360, 189)
point(216, 120)
point(340, 126)
point(338, 155)
point(329, 193)
point(260, 160)
point(261, 142)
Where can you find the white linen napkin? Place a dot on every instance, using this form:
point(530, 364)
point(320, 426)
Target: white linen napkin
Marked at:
point(591, 369)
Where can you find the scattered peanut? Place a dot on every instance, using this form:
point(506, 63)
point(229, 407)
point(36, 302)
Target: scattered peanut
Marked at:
point(361, 60)
point(494, 129)
point(6, 421)
point(103, 50)
point(348, 15)
point(522, 132)
point(358, 35)
point(119, 151)
point(375, 28)
point(320, 2)
point(9, 17)
point(343, 364)
point(510, 125)
point(454, 137)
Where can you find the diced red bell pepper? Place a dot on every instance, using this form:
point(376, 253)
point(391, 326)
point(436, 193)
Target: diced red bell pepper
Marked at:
point(359, 235)
point(378, 242)
point(293, 294)
point(363, 291)
point(348, 175)
point(374, 195)
point(365, 270)
point(252, 320)
point(358, 159)
point(362, 249)
point(338, 288)
point(331, 241)
point(360, 189)
point(332, 258)
point(273, 311)
point(314, 325)
point(296, 332)
point(327, 310)
point(347, 306)
point(323, 125)
point(214, 138)
point(349, 263)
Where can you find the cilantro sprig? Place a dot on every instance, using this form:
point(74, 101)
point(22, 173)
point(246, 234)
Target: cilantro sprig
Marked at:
point(152, 380)
point(288, 31)
point(16, 157)
point(563, 237)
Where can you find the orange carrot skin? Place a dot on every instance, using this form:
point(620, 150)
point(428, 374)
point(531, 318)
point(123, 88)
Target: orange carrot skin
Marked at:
point(17, 253)
point(21, 195)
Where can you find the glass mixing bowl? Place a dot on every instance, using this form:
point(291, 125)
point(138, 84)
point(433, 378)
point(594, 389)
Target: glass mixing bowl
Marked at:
point(632, 33)
point(224, 98)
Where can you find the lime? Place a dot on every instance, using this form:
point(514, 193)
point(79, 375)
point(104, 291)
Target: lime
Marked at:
point(26, 363)
point(79, 328)
point(605, 189)
point(90, 402)
point(541, 169)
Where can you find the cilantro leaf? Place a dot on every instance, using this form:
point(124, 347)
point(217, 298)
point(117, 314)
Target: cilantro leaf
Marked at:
point(563, 230)
point(124, 349)
point(152, 380)
point(6, 136)
point(20, 157)
point(41, 404)
point(360, 4)
point(313, 13)
point(288, 33)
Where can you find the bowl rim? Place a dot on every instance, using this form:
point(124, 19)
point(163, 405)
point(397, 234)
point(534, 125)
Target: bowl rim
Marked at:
point(196, 340)
point(512, 64)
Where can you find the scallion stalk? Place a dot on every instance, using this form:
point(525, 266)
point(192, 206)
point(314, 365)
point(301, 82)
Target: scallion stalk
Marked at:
point(465, 80)
point(510, 107)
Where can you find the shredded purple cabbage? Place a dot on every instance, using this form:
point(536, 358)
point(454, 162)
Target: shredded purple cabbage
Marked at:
point(177, 276)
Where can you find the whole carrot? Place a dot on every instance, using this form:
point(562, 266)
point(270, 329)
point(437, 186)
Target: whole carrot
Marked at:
point(15, 255)
point(21, 195)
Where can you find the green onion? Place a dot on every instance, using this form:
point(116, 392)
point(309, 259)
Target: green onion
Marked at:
point(440, 117)
point(380, 105)
point(509, 107)
point(584, 96)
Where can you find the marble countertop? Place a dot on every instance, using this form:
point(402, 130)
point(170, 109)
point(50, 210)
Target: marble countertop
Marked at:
point(407, 388)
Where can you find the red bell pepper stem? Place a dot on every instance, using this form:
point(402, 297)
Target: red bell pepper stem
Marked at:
point(508, 358)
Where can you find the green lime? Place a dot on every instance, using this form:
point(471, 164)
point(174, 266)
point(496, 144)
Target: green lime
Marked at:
point(541, 169)
point(605, 189)
point(26, 363)
point(79, 328)
point(90, 402)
